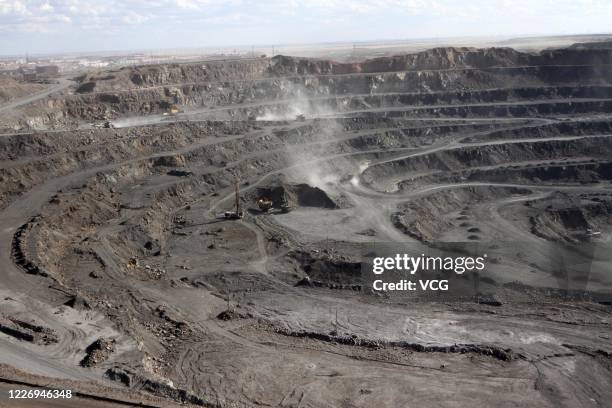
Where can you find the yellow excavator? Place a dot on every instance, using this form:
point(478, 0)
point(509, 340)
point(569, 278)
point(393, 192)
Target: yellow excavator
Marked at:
point(264, 204)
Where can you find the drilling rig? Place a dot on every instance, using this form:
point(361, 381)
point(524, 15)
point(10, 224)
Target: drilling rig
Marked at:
point(237, 213)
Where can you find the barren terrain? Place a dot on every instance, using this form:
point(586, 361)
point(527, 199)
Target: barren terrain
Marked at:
point(122, 279)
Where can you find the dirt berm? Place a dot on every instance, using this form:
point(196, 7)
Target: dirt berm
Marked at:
point(285, 195)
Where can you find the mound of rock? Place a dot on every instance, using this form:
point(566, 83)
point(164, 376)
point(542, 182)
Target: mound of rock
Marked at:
point(285, 195)
point(25, 331)
point(170, 161)
point(328, 271)
point(98, 352)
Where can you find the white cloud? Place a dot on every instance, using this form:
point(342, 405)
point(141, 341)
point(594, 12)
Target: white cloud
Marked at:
point(134, 18)
point(188, 4)
point(294, 20)
point(46, 7)
point(15, 7)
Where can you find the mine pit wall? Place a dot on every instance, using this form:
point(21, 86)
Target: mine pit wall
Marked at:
point(557, 129)
point(374, 126)
point(316, 109)
point(154, 225)
point(426, 219)
point(537, 109)
point(121, 145)
point(243, 81)
point(168, 74)
point(562, 224)
point(128, 144)
point(460, 80)
point(442, 58)
point(590, 171)
point(67, 226)
point(69, 109)
point(21, 146)
point(66, 223)
point(371, 132)
point(22, 178)
point(413, 137)
point(466, 157)
point(68, 220)
point(492, 95)
point(22, 254)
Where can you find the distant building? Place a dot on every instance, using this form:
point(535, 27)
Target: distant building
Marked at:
point(47, 70)
point(13, 73)
point(28, 74)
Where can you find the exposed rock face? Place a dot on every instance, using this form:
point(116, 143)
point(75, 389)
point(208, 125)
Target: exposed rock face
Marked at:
point(427, 218)
point(173, 74)
point(155, 89)
point(569, 219)
point(442, 58)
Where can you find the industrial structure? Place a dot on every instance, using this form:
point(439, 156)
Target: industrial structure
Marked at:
point(237, 213)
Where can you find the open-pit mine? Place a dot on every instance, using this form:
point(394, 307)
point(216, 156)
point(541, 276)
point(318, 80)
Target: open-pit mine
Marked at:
point(196, 234)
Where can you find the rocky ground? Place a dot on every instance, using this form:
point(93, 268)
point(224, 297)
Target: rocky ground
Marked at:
point(11, 89)
point(123, 280)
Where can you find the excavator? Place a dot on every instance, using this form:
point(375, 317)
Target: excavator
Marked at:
point(264, 204)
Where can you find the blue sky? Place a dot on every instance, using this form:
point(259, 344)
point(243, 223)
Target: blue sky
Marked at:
point(37, 26)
